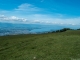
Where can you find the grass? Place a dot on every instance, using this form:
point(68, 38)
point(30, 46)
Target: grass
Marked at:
point(50, 46)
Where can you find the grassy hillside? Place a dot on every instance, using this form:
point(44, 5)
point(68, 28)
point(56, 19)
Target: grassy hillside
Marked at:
point(51, 46)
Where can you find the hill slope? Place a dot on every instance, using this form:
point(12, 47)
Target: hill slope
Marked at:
point(51, 46)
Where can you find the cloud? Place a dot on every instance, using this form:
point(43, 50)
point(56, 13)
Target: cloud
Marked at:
point(42, 19)
point(27, 7)
point(12, 19)
point(47, 19)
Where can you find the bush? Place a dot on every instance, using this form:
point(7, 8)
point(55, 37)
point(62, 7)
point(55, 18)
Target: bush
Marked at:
point(62, 30)
point(78, 29)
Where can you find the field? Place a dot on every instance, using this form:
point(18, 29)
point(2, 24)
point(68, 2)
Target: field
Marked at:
point(49, 46)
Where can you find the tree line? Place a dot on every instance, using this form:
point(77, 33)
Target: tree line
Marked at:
point(63, 30)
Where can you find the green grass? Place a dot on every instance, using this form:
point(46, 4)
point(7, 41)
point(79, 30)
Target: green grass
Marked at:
point(50, 46)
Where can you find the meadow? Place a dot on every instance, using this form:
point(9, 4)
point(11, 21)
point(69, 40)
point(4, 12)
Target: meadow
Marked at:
point(47, 46)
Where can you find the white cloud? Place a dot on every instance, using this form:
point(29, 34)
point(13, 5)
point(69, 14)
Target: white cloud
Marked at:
point(12, 19)
point(44, 19)
point(27, 7)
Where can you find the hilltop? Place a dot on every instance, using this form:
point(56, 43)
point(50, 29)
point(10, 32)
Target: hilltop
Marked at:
point(50, 46)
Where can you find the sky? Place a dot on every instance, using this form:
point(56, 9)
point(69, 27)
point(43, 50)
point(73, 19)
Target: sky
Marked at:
point(40, 11)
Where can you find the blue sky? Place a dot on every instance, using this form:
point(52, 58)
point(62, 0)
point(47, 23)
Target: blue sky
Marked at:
point(40, 11)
